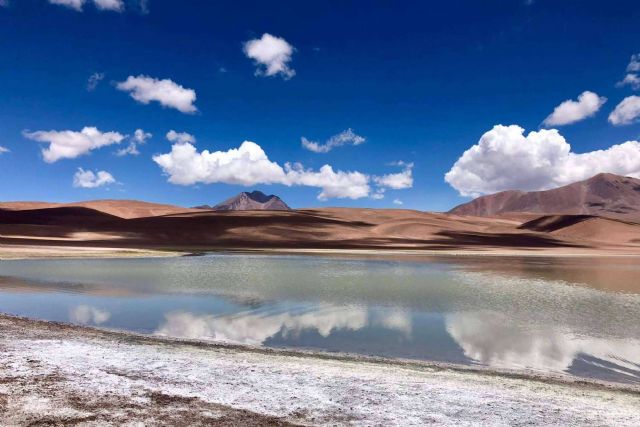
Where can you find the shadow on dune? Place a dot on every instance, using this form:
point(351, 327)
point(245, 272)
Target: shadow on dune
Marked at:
point(211, 229)
point(549, 223)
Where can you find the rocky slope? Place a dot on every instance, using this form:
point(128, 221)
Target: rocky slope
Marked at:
point(605, 195)
point(254, 201)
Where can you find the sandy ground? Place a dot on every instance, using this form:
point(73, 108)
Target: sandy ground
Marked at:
point(47, 252)
point(32, 251)
point(54, 374)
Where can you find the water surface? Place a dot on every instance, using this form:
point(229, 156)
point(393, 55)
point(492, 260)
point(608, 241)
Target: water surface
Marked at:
point(574, 316)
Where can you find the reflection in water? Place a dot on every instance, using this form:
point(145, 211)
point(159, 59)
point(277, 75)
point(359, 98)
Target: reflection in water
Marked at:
point(497, 341)
point(541, 314)
point(255, 328)
point(88, 315)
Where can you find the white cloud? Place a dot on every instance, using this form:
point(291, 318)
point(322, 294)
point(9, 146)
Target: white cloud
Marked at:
point(71, 4)
point(506, 159)
point(378, 194)
point(68, 144)
point(180, 137)
point(94, 80)
point(271, 54)
point(89, 179)
point(397, 202)
point(77, 5)
point(145, 89)
point(249, 165)
point(246, 165)
point(112, 5)
point(346, 137)
point(397, 181)
point(4, 3)
point(343, 185)
point(571, 111)
point(634, 63)
point(3, 149)
point(139, 138)
point(630, 80)
point(626, 112)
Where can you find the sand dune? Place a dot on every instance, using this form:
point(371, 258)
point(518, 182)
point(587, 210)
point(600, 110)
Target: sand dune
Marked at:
point(131, 224)
point(120, 208)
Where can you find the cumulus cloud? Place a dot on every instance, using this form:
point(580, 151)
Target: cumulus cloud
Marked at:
point(246, 165)
point(180, 137)
point(3, 149)
point(398, 202)
point(77, 5)
point(271, 54)
point(334, 184)
point(346, 137)
point(68, 144)
point(249, 165)
point(145, 89)
point(89, 179)
point(71, 4)
point(94, 80)
point(139, 138)
point(630, 80)
point(626, 112)
point(634, 63)
point(506, 159)
point(571, 111)
point(397, 181)
point(112, 5)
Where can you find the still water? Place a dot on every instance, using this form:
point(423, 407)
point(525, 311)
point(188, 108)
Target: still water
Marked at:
point(574, 316)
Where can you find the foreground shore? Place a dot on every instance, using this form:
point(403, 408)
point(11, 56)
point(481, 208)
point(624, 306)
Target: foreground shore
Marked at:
point(52, 373)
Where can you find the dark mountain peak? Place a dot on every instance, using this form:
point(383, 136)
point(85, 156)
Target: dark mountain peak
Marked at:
point(254, 200)
point(604, 194)
point(259, 196)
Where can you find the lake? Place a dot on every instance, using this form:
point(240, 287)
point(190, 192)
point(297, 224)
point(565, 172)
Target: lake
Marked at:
point(550, 315)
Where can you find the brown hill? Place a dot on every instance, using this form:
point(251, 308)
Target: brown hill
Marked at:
point(119, 208)
point(330, 228)
point(605, 195)
point(254, 201)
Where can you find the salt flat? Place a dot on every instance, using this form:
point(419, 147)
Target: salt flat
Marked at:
point(57, 373)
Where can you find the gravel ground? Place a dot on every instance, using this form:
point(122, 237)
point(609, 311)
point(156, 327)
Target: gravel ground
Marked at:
point(52, 374)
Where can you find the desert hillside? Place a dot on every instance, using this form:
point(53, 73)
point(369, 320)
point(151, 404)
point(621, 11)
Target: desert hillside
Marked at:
point(119, 208)
point(122, 224)
point(604, 195)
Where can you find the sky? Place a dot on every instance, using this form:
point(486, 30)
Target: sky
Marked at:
point(384, 104)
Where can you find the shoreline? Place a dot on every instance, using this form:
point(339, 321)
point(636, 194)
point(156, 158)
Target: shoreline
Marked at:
point(46, 252)
point(68, 373)
point(547, 378)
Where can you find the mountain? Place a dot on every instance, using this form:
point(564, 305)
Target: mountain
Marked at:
point(254, 201)
point(605, 195)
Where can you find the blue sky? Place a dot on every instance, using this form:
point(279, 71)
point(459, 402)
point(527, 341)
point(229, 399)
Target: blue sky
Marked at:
point(421, 82)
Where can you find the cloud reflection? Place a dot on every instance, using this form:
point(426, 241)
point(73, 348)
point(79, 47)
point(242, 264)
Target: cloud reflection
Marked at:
point(88, 315)
point(497, 341)
point(255, 328)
